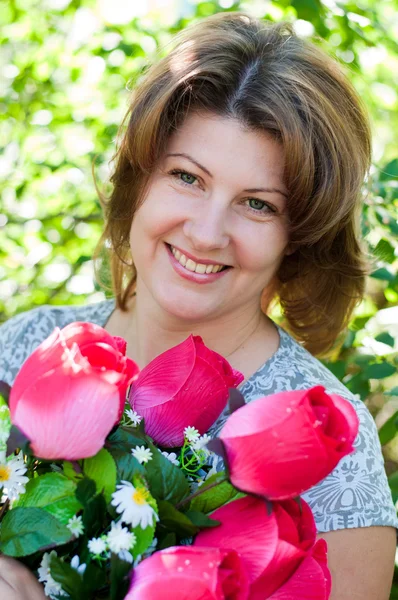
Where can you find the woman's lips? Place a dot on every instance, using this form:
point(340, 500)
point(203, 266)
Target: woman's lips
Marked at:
point(191, 275)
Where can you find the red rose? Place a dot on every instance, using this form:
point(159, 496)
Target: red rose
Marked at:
point(183, 572)
point(274, 547)
point(71, 391)
point(281, 445)
point(185, 386)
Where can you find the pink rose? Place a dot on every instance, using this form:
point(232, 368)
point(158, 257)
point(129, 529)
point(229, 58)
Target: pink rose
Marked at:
point(281, 445)
point(278, 550)
point(185, 572)
point(185, 386)
point(71, 390)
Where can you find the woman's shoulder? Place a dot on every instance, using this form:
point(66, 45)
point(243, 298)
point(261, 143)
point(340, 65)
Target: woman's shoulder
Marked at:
point(21, 334)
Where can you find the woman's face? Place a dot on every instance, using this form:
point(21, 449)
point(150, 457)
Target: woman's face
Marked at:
point(216, 198)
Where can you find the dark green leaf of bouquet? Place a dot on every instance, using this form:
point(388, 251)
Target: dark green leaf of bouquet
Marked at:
point(126, 465)
point(68, 578)
point(94, 516)
point(85, 490)
point(101, 468)
point(216, 496)
point(170, 539)
point(94, 578)
point(389, 429)
point(120, 570)
point(25, 530)
point(125, 438)
point(166, 481)
point(5, 390)
point(175, 521)
point(200, 519)
point(54, 493)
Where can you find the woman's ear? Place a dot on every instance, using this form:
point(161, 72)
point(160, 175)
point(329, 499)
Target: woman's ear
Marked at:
point(290, 249)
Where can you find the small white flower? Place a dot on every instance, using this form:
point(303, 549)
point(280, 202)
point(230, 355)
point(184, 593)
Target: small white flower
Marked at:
point(200, 443)
point(132, 502)
point(12, 476)
point(126, 556)
point(134, 417)
point(51, 587)
point(172, 457)
point(97, 546)
point(75, 526)
point(120, 538)
point(191, 434)
point(142, 454)
point(75, 564)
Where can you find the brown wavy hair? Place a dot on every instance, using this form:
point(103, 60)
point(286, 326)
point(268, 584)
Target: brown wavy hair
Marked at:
point(268, 78)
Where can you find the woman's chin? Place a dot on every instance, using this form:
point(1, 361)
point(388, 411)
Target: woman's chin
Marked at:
point(185, 308)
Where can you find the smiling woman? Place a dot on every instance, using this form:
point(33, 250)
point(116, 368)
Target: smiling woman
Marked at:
point(237, 182)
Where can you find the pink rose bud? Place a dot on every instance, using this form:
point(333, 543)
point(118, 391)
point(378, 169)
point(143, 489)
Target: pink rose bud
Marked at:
point(185, 572)
point(71, 390)
point(274, 542)
point(185, 386)
point(281, 445)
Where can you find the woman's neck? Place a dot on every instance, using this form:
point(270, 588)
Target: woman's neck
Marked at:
point(149, 331)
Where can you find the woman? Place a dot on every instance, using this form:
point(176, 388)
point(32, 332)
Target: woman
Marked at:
point(237, 182)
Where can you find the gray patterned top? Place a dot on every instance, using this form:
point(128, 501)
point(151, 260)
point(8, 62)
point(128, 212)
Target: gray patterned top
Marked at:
point(355, 494)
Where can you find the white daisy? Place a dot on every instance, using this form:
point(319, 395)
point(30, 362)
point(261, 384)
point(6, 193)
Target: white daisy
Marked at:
point(120, 538)
point(12, 476)
point(142, 454)
point(75, 564)
point(75, 526)
point(132, 502)
point(172, 457)
point(200, 443)
point(191, 434)
point(51, 587)
point(97, 546)
point(134, 417)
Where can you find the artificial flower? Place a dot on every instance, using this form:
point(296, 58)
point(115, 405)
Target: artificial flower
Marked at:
point(191, 434)
point(134, 417)
point(97, 546)
point(75, 526)
point(12, 476)
point(142, 454)
point(188, 385)
point(281, 445)
point(172, 457)
point(78, 375)
point(120, 538)
point(181, 572)
point(75, 564)
point(132, 502)
point(52, 588)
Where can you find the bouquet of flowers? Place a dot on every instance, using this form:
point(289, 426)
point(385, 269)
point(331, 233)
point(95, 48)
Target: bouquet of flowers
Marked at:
point(115, 499)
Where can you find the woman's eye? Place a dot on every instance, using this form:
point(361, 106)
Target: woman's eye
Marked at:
point(184, 176)
point(259, 206)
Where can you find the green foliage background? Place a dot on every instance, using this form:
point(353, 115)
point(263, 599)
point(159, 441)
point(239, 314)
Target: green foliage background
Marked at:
point(65, 77)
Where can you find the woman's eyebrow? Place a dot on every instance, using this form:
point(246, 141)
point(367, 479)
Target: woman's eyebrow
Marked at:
point(250, 190)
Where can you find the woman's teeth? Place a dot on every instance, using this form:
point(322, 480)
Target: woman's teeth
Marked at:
point(192, 265)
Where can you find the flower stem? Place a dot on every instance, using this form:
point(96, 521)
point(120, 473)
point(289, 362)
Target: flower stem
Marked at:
point(4, 508)
point(200, 491)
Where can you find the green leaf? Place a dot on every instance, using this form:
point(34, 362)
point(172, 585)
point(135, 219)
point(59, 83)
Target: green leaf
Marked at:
point(393, 483)
point(25, 530)
point(175, 521)
point(215, 497)
point(101, 468)
point(383, 274)
point(390, 171)
point(166, 481)
point(385, 338)
point(170, 539)
point(94, 578)
point(125, 438)
point(385, 251)
point(85, 490)
point(389, 430)
point(201, 520)
point(144, 539)
point(68, 578)
point(380, 370)
point(126, 465)
point(54, 493)
point(94, 516)
point(120, 570)
point(393, 391)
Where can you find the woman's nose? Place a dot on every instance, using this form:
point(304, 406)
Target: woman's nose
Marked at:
point(207, 229)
